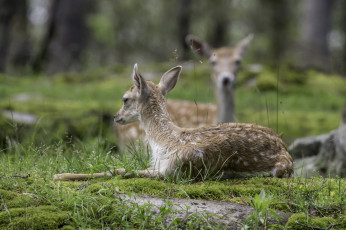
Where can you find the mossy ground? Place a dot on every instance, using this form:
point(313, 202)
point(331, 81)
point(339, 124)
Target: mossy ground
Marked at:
point(74, 134)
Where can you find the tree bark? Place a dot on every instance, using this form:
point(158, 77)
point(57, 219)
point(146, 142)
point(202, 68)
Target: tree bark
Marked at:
point(14, 41)
point(67, 36)
point(220, 18)
point(184, 26)
point(315, 26)
point(279, 18)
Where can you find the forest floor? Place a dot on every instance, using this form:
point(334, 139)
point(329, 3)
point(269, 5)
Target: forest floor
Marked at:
point(63, 123)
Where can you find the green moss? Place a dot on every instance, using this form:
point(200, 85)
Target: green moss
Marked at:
point(321, 222)
point(43, 217)
point(15, 200)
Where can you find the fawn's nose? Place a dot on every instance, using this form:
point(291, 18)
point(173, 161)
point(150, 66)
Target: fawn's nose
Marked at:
point(117, 119)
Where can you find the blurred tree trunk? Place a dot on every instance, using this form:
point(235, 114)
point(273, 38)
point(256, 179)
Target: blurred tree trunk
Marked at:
point(220, 19)
point(315, 26)
point(6, 13)
point(343, 25)
point(20, 42)
point(279, 17)
point(184, 25)
point(66, 36)
point(42, 53)
point(14, 42)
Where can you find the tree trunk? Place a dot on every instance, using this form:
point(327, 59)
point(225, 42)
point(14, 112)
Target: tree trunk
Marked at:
point(279, 19)
point(184, 25)
point(42, 54)
point(20, 42)
point(315, 26)
point(6, 13)
point(69, 35)
point(220, 18)
point(343, 27)
point(14, 42)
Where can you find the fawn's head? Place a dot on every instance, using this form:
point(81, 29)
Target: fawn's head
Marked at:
point(225, 61)
point(143, 93)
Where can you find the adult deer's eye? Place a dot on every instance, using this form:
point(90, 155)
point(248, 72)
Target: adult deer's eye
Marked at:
point(237, 62)
point(213, 63)
point(125, 99)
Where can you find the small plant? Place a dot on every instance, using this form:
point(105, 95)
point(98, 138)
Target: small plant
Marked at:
point(262, 212)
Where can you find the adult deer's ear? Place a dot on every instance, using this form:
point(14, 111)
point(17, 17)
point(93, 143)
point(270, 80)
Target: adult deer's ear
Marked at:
point(200, 47)
point(141, 85)
point(169, 80)
point(240, 48)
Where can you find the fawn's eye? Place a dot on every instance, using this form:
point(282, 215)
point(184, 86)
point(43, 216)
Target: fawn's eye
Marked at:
point(213, 63)
point(237, 62)
point(125, 100)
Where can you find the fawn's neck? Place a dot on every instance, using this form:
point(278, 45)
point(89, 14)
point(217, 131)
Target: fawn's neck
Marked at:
point(225, 102)
point(156, 122)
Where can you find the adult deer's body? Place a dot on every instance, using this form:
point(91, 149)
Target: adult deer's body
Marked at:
point(229, 149)
point(225, 63)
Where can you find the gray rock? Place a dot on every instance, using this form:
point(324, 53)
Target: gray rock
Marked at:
point(326, 154)
point(307, 146)
point(25, 118)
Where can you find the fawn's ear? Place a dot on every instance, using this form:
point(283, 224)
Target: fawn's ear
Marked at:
point(200, 47)
point(240, 48)
point(142, 87)
point(169, 80)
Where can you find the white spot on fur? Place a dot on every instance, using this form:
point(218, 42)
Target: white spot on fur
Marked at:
point(245, 163)
point(199, 153)
point(255, 159)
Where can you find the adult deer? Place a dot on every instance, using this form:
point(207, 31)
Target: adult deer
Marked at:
point(225, 63)
point(228, 149)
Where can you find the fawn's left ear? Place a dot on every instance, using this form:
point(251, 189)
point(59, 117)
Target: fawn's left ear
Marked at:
point(240, 48)
point(142, 87)
point(169, 80)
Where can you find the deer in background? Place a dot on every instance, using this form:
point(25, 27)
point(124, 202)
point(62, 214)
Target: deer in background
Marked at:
point(229, 149)
point(225, 63)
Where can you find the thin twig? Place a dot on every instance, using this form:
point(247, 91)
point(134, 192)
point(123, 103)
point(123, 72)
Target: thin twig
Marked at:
point(24, 177)
point(318, 228)
point(16, 175)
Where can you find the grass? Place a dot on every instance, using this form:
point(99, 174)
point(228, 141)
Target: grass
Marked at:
point(27, 188)
point(74, 134)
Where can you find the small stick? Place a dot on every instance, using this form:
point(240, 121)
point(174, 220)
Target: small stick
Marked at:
point(317, 228)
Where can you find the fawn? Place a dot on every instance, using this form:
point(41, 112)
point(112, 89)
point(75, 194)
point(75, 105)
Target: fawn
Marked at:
point(231, 149)
point(225, 63)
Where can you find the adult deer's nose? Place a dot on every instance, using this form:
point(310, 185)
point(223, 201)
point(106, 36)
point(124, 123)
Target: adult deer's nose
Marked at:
point(226, 79)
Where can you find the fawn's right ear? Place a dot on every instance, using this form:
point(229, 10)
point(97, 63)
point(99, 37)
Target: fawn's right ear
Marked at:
point(142, 87)
point(200, 47)
point(169, 80)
